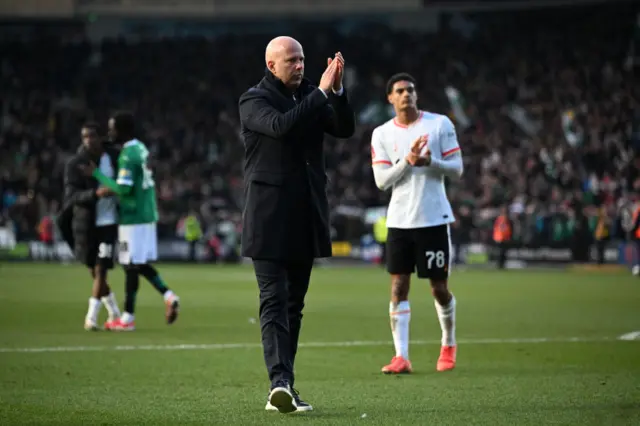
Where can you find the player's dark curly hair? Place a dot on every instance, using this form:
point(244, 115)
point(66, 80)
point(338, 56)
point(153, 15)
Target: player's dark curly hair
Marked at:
point(91, 125)
point(402, 76)
point(125, 123)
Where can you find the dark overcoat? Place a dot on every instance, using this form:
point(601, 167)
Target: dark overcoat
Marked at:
point(286, 210)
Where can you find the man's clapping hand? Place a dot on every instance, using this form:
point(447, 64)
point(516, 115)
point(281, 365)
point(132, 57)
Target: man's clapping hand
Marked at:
point(414, 158)
point(332, 76)
point(337, 82)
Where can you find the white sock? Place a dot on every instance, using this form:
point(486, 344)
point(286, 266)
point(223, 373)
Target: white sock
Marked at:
point(400, 316)
point(127, 318)
point(112, 306)
point(447, 318)
point(94, 308)
point(168, 295)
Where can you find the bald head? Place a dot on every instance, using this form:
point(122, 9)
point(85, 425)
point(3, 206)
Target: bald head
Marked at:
point(285, 59)
point(279, 46)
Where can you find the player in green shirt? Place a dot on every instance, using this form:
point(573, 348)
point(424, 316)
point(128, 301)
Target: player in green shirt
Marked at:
point(138, 215)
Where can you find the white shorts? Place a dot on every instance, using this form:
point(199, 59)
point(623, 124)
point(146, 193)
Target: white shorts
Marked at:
point(137, 244)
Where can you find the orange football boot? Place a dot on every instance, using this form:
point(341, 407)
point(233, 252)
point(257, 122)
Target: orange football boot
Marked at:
point(447, 360)
point(119, 325)
point(398, 365)
point(111, 325)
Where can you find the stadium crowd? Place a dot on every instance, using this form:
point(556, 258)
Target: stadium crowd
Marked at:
point(546, 105)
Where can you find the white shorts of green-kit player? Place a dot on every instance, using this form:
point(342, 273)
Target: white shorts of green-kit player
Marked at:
point(138, 244)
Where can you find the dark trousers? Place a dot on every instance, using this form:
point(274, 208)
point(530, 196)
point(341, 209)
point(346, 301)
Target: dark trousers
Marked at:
point(502, 254)
point(457, 249)
point(192, 250)
point(283, 286)
point(600, 248)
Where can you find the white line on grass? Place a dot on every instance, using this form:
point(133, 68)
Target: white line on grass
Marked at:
point(220, 346)
point(634, 335)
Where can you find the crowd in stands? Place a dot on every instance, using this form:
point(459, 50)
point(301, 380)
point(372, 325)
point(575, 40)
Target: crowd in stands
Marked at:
point(546, 105)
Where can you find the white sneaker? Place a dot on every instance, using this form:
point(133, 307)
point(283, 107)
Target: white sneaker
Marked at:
point(281, 397)
point(300, 407)
point(270, 407)
point(298, 403)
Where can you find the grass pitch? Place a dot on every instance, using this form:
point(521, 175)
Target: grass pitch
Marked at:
point(535, 348)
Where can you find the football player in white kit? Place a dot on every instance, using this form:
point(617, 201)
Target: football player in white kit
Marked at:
point(411, 154)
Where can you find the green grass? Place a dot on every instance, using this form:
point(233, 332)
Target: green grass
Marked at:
point(592, 382)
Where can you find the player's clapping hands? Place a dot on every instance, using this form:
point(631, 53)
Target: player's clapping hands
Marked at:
point(415, 158)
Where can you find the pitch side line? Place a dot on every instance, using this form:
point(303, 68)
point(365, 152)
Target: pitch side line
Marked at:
point(634, 335)
point(222, 346)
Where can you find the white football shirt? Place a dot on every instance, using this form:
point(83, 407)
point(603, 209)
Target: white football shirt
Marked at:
point(106, 207)
point(419, 198)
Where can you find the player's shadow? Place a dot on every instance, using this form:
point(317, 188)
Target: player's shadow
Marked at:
point(317, 414)
point(414, 373)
